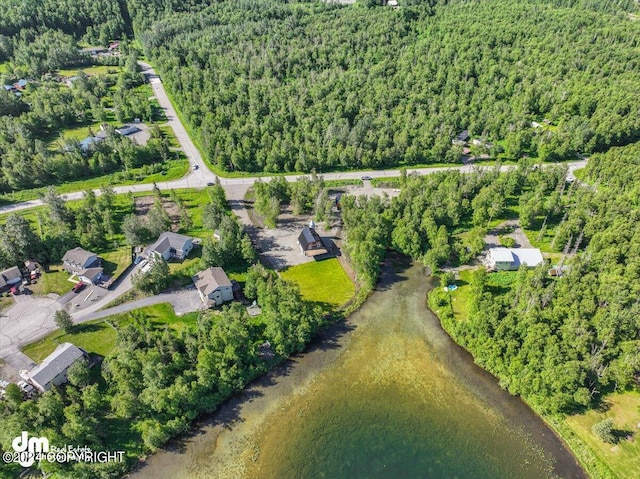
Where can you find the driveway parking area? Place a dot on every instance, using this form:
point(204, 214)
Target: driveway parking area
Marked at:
point(24, 322)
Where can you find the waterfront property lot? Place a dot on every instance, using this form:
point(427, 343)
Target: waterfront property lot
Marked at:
point(623, 458)
point(99, 336)
point(322, 281)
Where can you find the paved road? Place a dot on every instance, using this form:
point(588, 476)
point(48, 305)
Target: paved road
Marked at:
point(183, 301)
point(200, 177)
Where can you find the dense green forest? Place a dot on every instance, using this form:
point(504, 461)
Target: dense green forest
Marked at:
point(272, 85)
point(559, 342)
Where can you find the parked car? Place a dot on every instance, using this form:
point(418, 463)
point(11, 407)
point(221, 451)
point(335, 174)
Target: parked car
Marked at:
point(79, 286)
point(138, 259)
point(15, 291)
point(195, 166)
point(26, 387)
point(366, 178)
point(210, 183)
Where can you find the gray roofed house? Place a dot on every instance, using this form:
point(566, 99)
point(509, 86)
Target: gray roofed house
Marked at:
point(513, 258)
point(214, 286)
point(9, 277)
point(77, 260)
point(170, 245)
point(53, 369)
point(91, 275)
point(310, 242)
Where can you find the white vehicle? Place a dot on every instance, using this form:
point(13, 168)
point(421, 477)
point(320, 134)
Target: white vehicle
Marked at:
point(195, 166)
point(26, 387)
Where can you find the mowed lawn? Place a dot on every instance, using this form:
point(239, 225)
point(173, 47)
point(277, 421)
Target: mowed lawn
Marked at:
point(624, 409)
point(322, 281)
point(99, 336)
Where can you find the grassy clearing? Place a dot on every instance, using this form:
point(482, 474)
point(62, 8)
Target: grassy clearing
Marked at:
point(93, 336)
point(322, 281)
point(56, 280)
point(460, 297)
point(92, 70)
point(81, 132)
point(99, 336)
point(622, 458)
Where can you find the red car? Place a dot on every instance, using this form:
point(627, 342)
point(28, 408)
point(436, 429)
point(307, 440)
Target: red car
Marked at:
point(79, 286)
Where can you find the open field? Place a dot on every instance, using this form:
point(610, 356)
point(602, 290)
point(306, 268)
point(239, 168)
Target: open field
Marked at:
point(624, 457)
point(322, 281)
point(99, 336)
point(94, 70)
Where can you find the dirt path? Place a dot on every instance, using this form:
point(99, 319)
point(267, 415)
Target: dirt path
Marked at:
point(509, 228)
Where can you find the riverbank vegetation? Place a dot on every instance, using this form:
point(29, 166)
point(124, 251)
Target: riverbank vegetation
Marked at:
point(563, 343)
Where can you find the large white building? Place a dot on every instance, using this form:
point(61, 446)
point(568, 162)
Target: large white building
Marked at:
point(511, 258)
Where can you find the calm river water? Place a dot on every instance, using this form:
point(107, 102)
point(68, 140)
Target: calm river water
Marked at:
point(387, 395)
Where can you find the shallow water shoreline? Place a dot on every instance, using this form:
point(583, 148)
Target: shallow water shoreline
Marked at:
point(235, 438)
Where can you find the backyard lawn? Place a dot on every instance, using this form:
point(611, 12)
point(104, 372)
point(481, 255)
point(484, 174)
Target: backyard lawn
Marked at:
point(93, 336)
point(56, 280)
point(116, 261)
point(322, 281)
point(91, 71)
point(99, 336)
point(622, 458)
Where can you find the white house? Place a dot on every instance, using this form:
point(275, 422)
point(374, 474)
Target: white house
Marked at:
point(511, 258)
point(53, 369)
point(214, 286)
point(170, 245)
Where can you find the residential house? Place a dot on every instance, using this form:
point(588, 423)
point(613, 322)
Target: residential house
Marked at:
point(77, 260)
point(310, 242)
point(214, 286)
point(508, 259)
point(85, 264)
point(53, 369)
point(10, 277)
point(170, 245)
point(461, 138)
